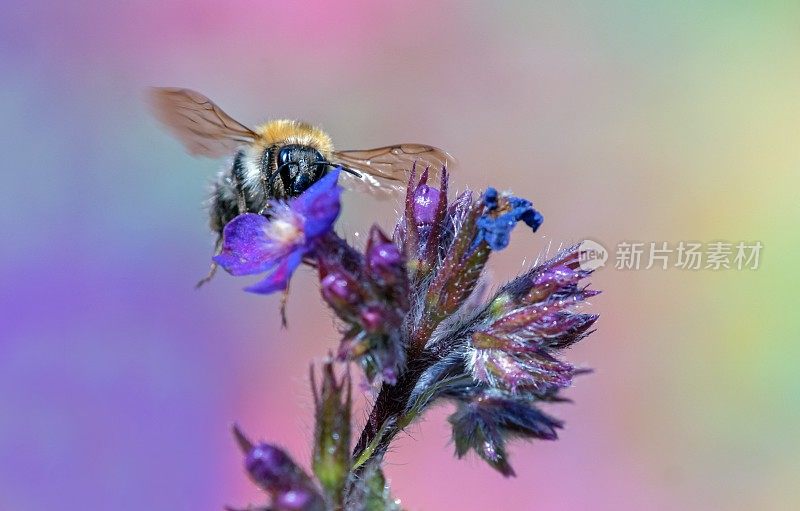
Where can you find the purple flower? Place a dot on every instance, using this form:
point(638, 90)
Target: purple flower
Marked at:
point(278, 242)
point(414, 314)
point(501, 215)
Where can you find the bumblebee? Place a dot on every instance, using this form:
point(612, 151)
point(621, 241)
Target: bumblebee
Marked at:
point(278, 159)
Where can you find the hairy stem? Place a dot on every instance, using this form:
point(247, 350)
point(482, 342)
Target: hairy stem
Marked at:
point(389, 408)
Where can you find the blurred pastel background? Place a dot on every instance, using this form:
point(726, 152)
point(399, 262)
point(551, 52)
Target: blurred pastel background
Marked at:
point(623, 121)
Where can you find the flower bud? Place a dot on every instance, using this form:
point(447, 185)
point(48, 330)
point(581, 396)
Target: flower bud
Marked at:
point(486, 421)
point(338, 290)
point(389, 374)
point(298, 500)
point(271, 468)
point(563, 330)
point(559, 275)
point(384, 256)
point(426, 201)
point(373, 319)
point(332, 404)
point(385, 264)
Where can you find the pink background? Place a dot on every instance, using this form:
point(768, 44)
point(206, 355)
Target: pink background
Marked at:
point(622, 121)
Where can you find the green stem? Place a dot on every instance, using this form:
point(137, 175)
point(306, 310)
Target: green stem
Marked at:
point(366, 454)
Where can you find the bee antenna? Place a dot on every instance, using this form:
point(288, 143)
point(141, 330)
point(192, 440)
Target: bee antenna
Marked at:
point(353, 172)
point(275, 174)
point(346, 169)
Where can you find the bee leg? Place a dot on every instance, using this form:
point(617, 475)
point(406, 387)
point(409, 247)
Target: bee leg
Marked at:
point(268, 167)
point(241, 202)
point(265, 207)
point(238, 172)
point(270, 181)
point(284, 300)
point(213, 270)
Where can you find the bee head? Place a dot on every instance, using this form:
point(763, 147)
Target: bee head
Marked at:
point(299, 167)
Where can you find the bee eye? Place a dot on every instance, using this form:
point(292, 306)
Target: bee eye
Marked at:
point(285, 154)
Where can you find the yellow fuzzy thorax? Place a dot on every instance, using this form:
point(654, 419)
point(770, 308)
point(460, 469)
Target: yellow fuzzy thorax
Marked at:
point(285, 131)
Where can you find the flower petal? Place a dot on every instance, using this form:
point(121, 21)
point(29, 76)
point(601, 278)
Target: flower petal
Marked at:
point(502, 213)
point(490, 198)
point(319, 204)
point(246, 249)
point(496, 231)
point(278, 280)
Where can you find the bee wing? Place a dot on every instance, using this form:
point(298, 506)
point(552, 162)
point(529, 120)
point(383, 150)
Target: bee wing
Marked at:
point(202, 126)
point(386, 169)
